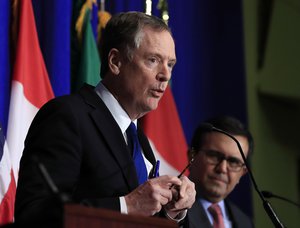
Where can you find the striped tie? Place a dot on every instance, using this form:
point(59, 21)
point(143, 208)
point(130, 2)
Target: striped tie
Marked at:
point(216, 213)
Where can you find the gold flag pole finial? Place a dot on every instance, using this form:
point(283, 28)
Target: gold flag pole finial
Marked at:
point(164, 10)
point(104, 17)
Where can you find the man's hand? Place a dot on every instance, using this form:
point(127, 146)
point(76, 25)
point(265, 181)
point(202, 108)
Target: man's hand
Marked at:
point(183, 197)
point(150, 197)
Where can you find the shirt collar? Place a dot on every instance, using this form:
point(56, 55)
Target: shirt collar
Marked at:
point(119, 114)
point(206, 204)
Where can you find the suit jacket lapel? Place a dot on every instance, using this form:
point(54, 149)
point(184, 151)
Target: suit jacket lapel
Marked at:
point(146, 146)
point(197, 216)
point(237, 217)
point(230, 213)
point(111, 132)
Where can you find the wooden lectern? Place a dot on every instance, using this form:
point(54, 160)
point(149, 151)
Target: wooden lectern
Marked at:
point(78, 216)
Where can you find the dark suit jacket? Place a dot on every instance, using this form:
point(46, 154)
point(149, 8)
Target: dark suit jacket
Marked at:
point(197, 218)
point(84, 151)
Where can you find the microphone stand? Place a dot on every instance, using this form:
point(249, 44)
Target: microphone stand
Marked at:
point(268, 194)
point(63, 198)
point(267, 206)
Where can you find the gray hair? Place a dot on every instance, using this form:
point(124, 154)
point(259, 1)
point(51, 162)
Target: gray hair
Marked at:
point(124, 31)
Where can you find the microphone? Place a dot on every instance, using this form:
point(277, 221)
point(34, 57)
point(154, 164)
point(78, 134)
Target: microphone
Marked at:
point(64, 198)
point(268, 194)
point(267, 206)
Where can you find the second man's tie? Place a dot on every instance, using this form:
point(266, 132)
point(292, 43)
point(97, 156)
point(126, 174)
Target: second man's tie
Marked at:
point(216, 212)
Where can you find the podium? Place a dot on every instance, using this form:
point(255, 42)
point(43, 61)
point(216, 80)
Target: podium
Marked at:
point(78, 216)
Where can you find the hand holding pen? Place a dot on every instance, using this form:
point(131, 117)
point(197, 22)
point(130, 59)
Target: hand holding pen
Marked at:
point(183, 195)
point(157, 189)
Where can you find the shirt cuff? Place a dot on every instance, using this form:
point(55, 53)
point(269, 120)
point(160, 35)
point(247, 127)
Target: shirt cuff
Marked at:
point(123, 205)
point(179, 217)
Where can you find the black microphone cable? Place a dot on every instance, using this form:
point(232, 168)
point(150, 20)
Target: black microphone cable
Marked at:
point(64, 198)
point(267, 206)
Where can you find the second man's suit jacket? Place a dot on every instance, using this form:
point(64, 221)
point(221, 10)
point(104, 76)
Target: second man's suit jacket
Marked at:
point(84, 151)
point(197, 218)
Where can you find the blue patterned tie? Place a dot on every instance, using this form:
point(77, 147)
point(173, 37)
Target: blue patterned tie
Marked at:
point(137, 153)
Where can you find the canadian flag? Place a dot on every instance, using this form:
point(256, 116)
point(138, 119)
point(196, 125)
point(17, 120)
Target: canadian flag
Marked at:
point(163, 128)
point(7, 183)
point(30, 87)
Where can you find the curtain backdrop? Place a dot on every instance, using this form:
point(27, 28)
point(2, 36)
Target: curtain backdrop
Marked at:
point(208, 79)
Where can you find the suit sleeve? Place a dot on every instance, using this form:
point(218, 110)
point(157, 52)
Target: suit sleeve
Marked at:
point(57, 138)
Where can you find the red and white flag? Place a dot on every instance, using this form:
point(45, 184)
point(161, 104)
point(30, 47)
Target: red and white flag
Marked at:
point(164, 131)
point(31, 87)
point(7, 183)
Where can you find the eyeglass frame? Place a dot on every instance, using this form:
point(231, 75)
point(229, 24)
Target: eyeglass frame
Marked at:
point(220, 158)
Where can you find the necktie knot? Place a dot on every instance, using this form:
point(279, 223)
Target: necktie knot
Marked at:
point(131, 130)
point(217, 215)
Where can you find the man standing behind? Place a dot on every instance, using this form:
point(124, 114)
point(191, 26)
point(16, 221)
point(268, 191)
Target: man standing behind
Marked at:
point(217, 169)
point(88, 141)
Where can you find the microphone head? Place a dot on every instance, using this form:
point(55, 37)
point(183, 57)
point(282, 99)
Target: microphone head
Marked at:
point(267, 194)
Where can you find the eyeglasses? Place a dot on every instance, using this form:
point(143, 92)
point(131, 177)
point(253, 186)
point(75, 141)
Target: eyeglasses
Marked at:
point(215, 158)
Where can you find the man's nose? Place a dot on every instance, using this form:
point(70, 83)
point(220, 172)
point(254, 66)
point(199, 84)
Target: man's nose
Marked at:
point(222, 166)
point(164, 73)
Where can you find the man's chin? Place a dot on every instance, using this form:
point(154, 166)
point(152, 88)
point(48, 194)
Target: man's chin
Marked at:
point(216, 192)
point(215, 197)
point(153, 104)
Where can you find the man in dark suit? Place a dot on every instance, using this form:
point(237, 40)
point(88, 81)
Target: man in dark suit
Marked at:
point(82, 139)
point(217, 168)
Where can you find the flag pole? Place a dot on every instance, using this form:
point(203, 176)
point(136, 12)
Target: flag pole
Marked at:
point(148, 7)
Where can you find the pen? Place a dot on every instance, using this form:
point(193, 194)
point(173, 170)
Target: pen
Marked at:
point(188, 165)
point(156, 169)
point(190, 162)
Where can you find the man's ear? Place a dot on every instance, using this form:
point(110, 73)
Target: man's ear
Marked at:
point(114, 61)
point(245, 170)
